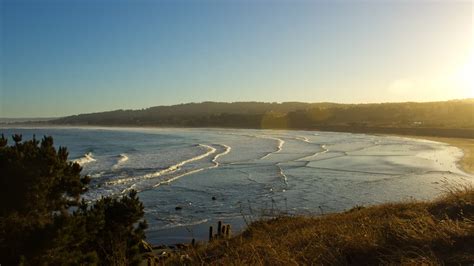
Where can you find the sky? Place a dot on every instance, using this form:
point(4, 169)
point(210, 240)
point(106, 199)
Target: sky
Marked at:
point(64, 57)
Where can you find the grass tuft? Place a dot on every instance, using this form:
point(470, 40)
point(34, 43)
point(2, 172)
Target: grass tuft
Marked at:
point(430, 233)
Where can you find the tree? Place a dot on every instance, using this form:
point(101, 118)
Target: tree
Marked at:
point(44, 221)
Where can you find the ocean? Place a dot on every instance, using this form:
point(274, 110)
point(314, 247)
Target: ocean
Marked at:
point(189, 179)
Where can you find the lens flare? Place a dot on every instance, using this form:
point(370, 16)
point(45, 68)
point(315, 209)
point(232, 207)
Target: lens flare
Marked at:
point(465, 77)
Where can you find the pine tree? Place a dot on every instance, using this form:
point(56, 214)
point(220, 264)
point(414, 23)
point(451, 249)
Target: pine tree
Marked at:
point(44, 221)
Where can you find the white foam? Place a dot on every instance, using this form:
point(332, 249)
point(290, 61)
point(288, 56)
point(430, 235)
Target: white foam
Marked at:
point(226, 151)
point(129, 188)
point(280, 142)
point(279, 145)
point(325, 149)
point(179, 176)
point(169, 170)
point(177, 166)
point(302, 138)
point(123, 158)
point(282, 174)
point(87, 158)
point(214, 160)
point(172, 224)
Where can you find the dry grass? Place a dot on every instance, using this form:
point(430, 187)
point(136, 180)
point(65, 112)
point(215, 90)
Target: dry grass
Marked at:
point(438, 232)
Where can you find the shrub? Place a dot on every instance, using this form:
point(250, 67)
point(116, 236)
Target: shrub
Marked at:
point(44, 221)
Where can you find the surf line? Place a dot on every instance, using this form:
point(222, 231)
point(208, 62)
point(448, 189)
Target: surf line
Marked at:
point(226, 151)
point(302, 138)
point(87, 158)
point(169, 170)
point(123, 158)
point(214, 161)
point(279, 146)
point(282, 174)
point(324, 150)
point(177, 166)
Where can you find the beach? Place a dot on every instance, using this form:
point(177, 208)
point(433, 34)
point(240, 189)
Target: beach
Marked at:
point(189, 179)
point(466, 163)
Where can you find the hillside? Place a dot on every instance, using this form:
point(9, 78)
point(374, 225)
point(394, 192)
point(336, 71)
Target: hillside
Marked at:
point(448, 119)
point(413, 233)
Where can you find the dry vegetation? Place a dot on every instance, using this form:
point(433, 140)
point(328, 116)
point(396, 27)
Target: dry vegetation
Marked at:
point(438, 232)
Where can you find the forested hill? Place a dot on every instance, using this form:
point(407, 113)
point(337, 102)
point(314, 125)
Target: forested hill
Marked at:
point(441, 116)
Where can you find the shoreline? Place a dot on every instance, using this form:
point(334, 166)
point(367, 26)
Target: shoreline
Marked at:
point(440, 132)
point(184, 234)
point(466, 162)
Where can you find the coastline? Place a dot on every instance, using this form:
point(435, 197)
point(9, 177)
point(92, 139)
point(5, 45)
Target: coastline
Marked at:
point(466, 162)
point(466, 144)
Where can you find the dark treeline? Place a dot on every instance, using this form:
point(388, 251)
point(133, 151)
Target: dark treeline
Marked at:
point(448, 115)
point(45, 221)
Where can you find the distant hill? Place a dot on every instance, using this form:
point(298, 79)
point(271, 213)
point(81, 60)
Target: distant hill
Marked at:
point(191, 114)
point(6, 120)
point(439, 116)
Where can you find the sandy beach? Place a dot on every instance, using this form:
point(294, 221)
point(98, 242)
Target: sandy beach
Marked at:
point(466, 145)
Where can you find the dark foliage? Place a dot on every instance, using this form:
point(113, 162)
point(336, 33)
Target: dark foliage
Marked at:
point(409, 116)
point(43, 220)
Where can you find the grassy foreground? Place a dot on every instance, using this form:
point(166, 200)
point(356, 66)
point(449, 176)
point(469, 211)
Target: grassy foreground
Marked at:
point(437, 232)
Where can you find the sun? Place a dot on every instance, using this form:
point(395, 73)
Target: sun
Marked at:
point(465, 77)
point(459, 82)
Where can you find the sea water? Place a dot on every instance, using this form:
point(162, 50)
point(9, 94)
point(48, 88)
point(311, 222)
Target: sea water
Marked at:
point(237, 176)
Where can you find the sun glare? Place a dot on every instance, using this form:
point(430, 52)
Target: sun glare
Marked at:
point(465, 77)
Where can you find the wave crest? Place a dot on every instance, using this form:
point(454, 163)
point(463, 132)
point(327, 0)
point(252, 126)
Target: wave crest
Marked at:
point(87, 158)
point(169, 170)
point(279, 146)
point(122, 158)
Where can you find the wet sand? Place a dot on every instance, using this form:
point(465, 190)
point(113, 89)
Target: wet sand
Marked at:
point(466, 145)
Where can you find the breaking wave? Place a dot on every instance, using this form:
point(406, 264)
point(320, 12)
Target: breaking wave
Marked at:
point(214, 160)
point(280, 144)
point(324, 150)
point(122, 158)
point(226, 151)
point(87, 158)
point(169, 170)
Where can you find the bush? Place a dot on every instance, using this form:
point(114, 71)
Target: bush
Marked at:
point(44, 221)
